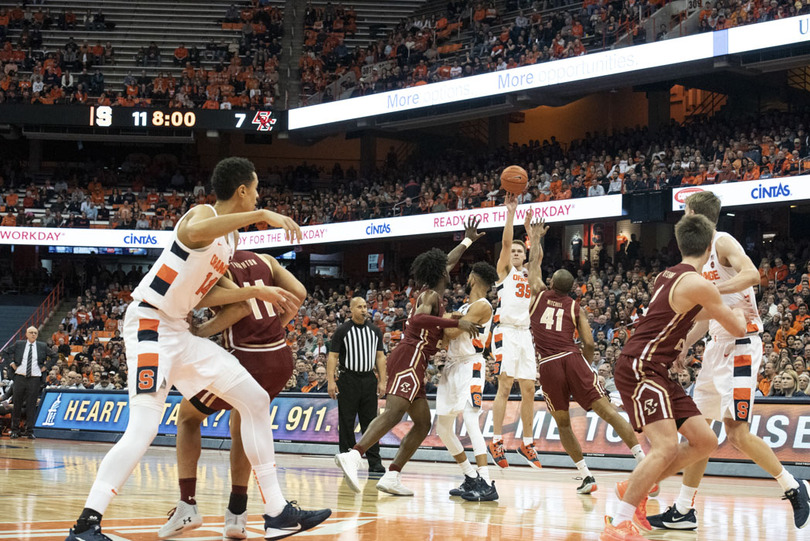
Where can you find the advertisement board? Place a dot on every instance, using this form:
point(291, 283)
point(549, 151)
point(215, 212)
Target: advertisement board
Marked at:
point(301, 418)
point(613, 62)
point(751, 192)
point(581, 210)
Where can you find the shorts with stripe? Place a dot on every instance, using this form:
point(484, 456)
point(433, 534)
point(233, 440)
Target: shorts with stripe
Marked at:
point(462, 384)
point(568, 374)
point(648, 395)
point(406, 367)
point(162, 352)
point(513, 349)
point(271, 368)
point(725, 386)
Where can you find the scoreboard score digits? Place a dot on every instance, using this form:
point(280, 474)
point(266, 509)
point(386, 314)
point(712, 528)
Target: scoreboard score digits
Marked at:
point(105, 116)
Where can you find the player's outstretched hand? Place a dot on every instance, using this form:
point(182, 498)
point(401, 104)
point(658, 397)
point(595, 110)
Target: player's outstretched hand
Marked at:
point(536, 229)
point(510, 200)
point(281, 299)
point(468, 326)
point(292, 231)
point(471, 228)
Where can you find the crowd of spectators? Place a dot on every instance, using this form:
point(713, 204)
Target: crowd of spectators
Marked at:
point(718, 150)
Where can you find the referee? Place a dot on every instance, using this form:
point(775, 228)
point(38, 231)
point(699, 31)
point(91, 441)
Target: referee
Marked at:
point(355, 349)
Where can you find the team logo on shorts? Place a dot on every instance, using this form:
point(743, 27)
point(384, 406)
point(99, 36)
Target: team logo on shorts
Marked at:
point(405, 387)
point(650, 407)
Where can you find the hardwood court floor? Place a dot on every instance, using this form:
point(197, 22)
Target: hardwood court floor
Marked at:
point(44, 484)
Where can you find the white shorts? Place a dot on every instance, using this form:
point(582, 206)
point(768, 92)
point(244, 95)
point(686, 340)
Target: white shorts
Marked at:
point(725, 386)
point(513, 349)
point(462, 383)
point(161, 352)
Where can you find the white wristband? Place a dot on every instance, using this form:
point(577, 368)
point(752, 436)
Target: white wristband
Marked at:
point(467, 242)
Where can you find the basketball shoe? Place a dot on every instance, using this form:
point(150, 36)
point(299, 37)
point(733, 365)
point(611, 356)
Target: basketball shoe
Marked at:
point(466, 486)
point(640, 516)
point(625, 531)
point(672, 519)
point(235, 525)
point(350, 462)
point(588, 485)
point(800, 500)
point(292, 520)
point(93, 534)
point(391, 483)
point(496, 450)
point(182, 518)
point(481, 491)
point(528, 452)
point(654, 491)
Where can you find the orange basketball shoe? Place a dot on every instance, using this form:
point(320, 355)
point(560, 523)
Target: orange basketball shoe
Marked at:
point(496, 450)
point(621, 486)
point(640, 516)
point(530, 454)
point(626, 531)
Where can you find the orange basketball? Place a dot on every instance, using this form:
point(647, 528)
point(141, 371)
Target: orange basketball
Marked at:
point(514, 179)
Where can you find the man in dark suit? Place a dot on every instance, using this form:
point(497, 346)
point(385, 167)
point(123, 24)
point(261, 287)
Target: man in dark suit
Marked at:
point(29, 359)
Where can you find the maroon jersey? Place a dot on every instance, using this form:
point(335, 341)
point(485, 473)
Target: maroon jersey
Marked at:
point(262, 327)
point(553, 323)
point(421, 336)
point(660, 333)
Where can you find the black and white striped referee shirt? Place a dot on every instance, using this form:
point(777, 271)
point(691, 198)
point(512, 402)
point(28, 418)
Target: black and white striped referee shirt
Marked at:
point(357, 345)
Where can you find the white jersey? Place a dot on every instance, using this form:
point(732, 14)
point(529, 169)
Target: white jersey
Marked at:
point(463, 347)
point(514, 298)
point(746, 299)
point(181, 277)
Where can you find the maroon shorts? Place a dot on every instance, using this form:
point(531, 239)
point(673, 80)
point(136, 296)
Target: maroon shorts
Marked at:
point(567, 375)
point(271, 369)
point(648, 395)
point(406, 369)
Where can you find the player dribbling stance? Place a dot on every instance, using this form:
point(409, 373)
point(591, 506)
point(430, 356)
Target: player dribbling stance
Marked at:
point(462, 384)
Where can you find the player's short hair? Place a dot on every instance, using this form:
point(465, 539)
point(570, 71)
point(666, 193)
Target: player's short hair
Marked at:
point(706, 204)
point(486, 272)
point(429, 268)
point(520, 242)
point(694, 235)
point(229, 174)
point(563, 281)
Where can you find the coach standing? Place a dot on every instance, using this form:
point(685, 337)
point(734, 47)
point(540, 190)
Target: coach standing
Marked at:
point(355, 349)
point(29, 359)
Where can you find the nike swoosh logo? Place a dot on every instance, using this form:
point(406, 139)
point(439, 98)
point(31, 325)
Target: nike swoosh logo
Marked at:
point(679, 519)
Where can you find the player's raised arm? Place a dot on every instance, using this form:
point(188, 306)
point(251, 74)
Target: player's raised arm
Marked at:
point(747, 273)
point(505, 258)
point(202, 225)
point(471, 235)
point(478, 314)
point(693, 290)
point(536, 232)
point(585, 334)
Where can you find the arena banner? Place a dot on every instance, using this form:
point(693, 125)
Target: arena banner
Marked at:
point(614, 62)
point(568, 210)
point(751, 192)
point(299, 418)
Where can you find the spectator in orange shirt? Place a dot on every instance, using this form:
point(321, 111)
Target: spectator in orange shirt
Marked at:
point(778, 272)
point(180, 55)
point(9, 220)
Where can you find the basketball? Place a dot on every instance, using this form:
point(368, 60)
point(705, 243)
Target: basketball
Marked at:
point(514, 179)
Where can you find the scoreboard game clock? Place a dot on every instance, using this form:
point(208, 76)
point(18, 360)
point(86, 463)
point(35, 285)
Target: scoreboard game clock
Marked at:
point(151, 119)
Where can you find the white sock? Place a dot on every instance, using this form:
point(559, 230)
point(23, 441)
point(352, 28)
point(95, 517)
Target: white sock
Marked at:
point(786, 480)
point(467, 468)
point(686, 499)
point(528, 440)
point(267, 479)
point(483, 471)
point(638, 453)
point(624, 512)
point(583, 469)
point(497, 438)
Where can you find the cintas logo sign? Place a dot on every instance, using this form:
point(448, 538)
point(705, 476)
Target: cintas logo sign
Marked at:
point(378, 229)
point(770, 192)
point(140, 240)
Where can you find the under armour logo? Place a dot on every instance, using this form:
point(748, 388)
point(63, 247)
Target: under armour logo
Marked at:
point(187, 520)
point(650, 407)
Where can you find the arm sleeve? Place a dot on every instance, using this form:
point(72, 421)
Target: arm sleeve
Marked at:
point(424, 320)
point(337, 339)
